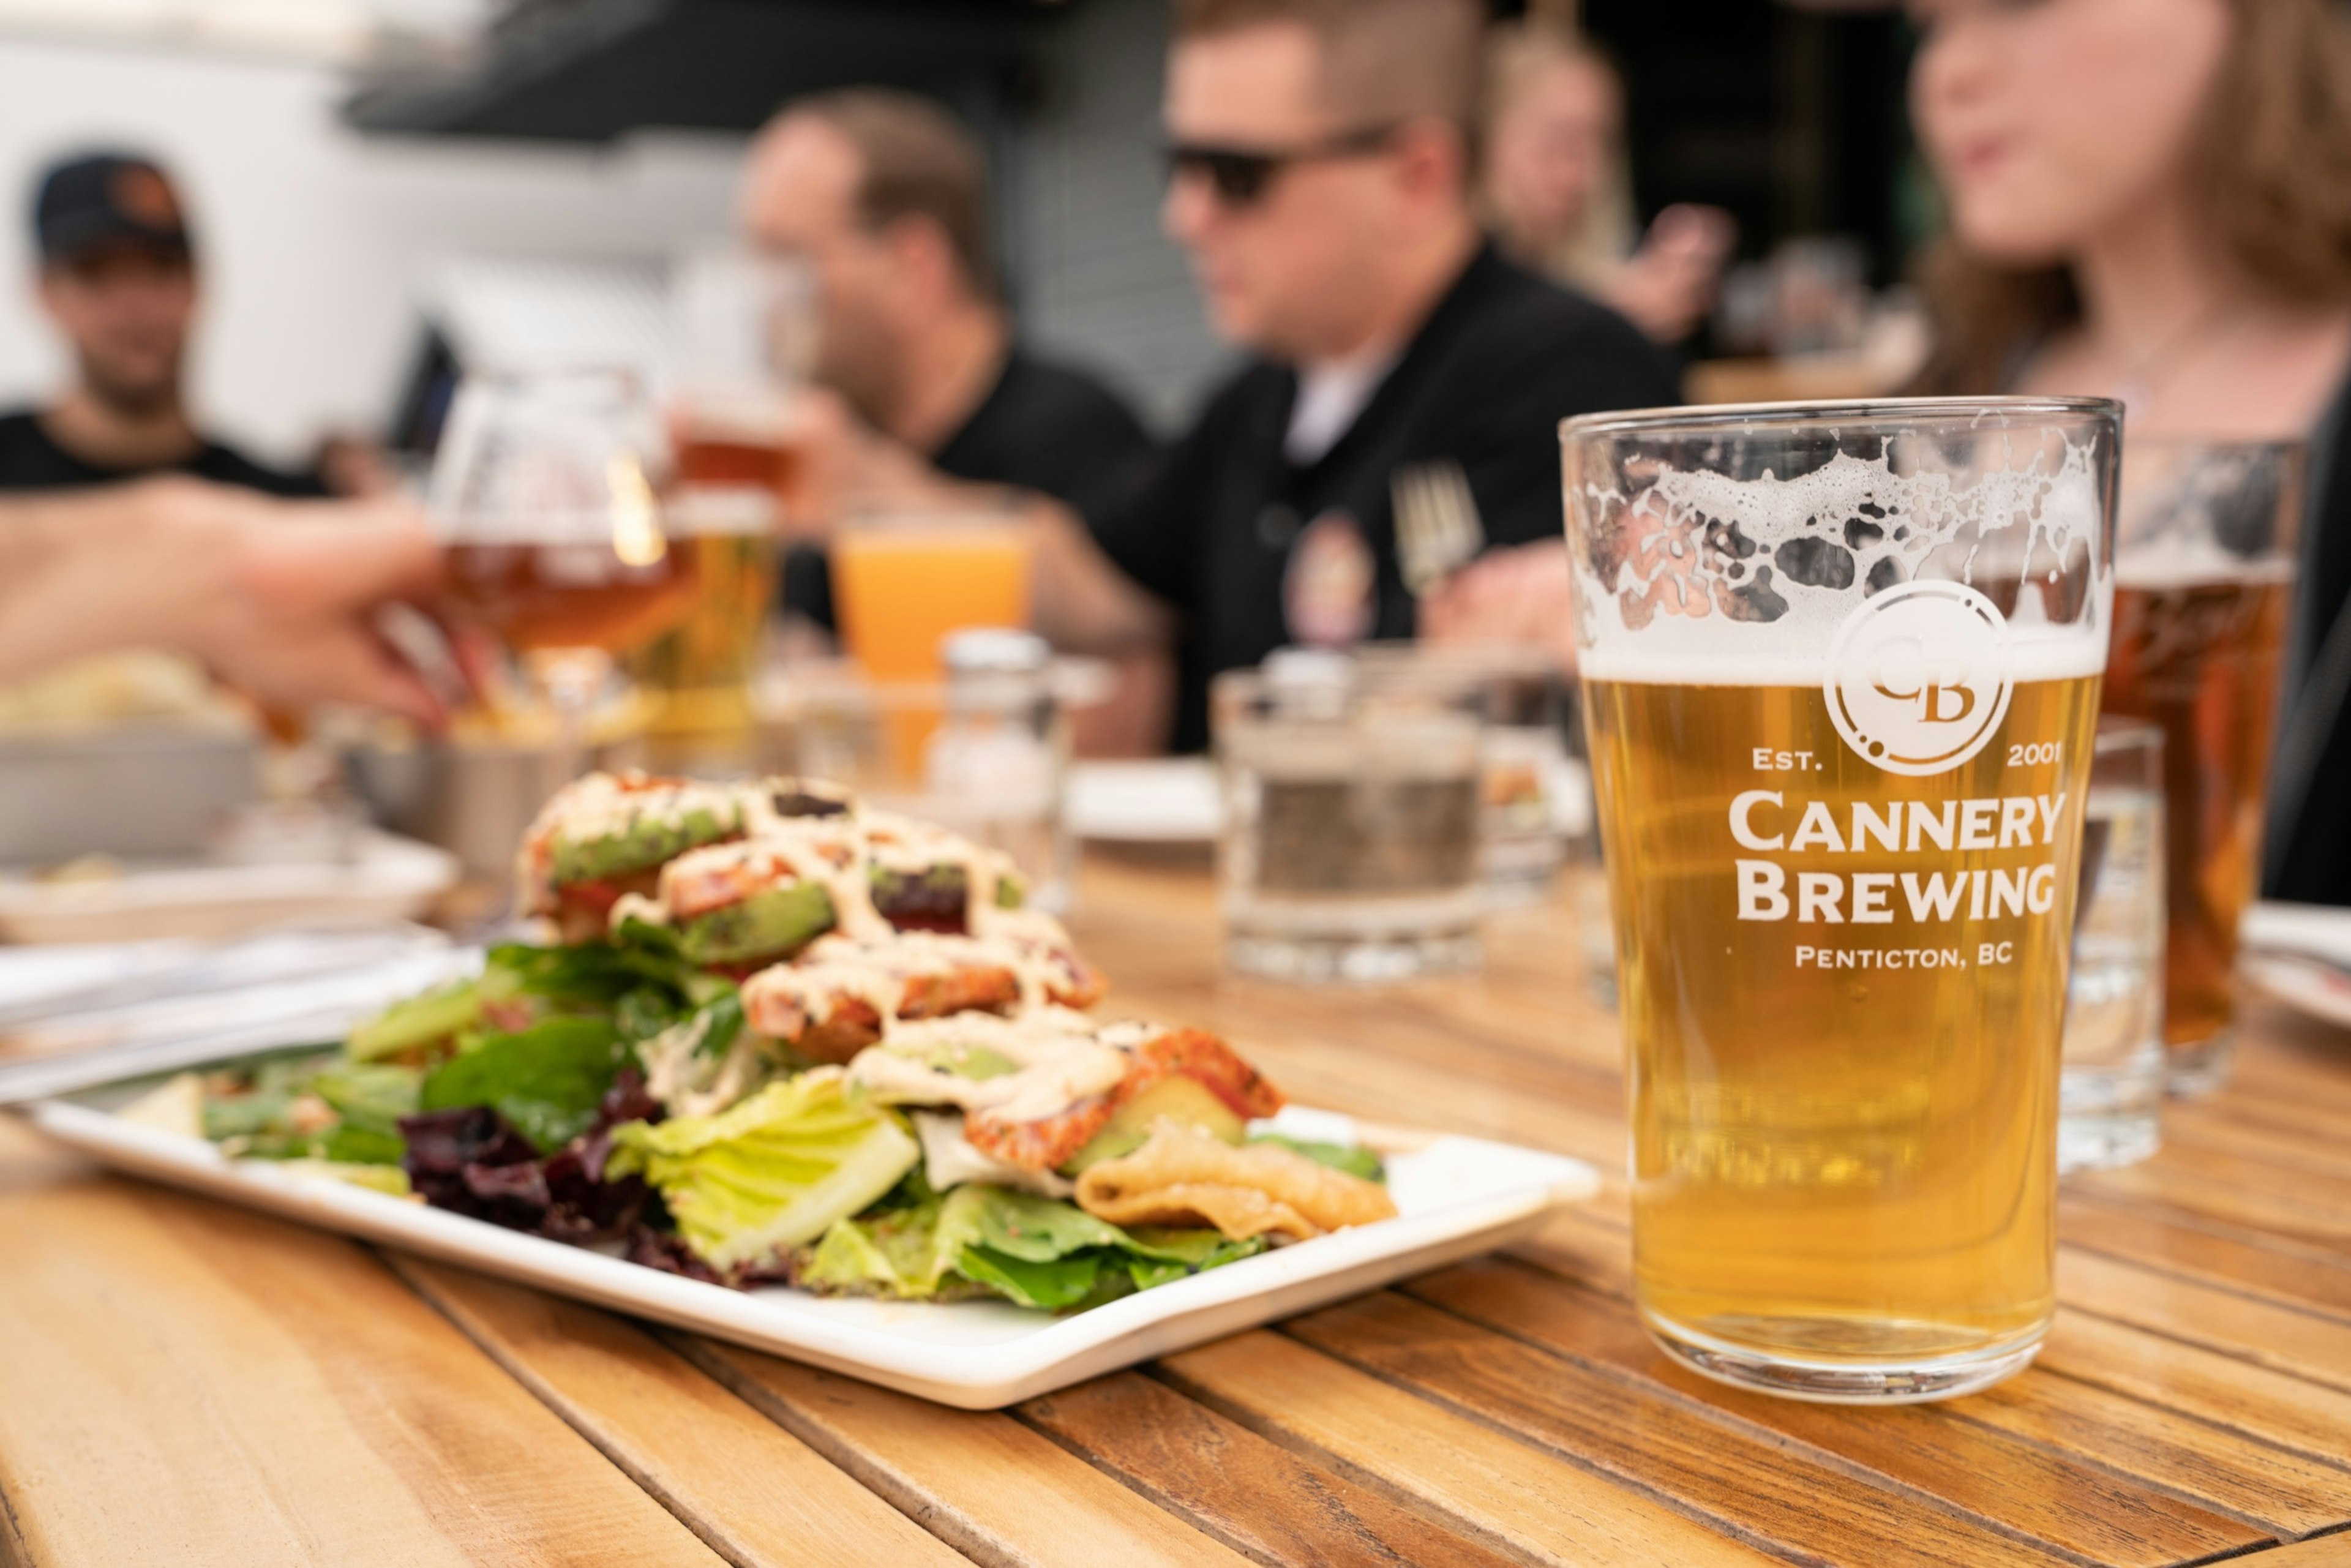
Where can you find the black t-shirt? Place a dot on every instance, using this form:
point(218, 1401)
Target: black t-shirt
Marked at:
point(1500, 360)
point(1042, 428)
point(29, 460)
point(2308, 856)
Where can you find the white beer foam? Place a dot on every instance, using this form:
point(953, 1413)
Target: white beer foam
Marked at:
point(2029, 659)
point(1697, 556)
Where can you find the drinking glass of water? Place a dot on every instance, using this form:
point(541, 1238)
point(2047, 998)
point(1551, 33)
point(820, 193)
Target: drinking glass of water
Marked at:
point(1352, 825)
point(2112, 1084)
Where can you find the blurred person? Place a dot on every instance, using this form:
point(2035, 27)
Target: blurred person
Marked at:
point(1323, 159)
point(886, 195)
point(118, 280)
point(276, 598)
point(2151, 200)
point(1558, 190)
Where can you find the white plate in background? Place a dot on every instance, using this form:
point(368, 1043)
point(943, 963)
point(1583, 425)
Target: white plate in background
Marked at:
point(1458, 1196)
point(2300, 954)
point(1162, 800)
point(385, 878)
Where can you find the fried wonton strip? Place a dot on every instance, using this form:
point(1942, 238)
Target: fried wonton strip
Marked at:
point(1184, 1177)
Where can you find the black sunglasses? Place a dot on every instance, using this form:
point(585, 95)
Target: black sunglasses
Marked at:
point(1241, 175)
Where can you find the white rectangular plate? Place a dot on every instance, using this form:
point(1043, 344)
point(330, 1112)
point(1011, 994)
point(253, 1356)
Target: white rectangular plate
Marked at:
point(1457, 1196)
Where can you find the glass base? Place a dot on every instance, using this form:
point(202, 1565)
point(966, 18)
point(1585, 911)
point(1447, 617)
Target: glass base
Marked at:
point(2108, 1116)
point(1357, 960)
point(2194, 1071)
point(2107, 1142)
point(1846, 1380)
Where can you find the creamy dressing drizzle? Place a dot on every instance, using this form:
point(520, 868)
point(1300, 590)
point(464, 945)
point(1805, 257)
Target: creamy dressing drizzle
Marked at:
point(692, 1084)
point(949, 1160)
point(1061, 1058)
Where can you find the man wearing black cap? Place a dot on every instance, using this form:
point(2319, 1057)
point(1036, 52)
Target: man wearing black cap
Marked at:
point(118, 277)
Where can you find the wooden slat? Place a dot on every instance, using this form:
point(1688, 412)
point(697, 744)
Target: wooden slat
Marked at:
point(1979, 1469)
point(757, 1494)
point(185, 1384)
point(984, 1483)
point(2214, 1127)
point(1521, 1495)
point(1255, 1496)
point(2332, 1551)
point(2254, 1195)
point(2191, 1422)
point(2277, 1408)
point(1767, 1491)
point(2284, 1272)
point(2308, 1345)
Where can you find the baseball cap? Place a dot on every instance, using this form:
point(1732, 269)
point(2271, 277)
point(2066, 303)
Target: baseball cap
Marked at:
point(103, 199)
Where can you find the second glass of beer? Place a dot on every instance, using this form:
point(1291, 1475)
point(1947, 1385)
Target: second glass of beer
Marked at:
point(1841, 669)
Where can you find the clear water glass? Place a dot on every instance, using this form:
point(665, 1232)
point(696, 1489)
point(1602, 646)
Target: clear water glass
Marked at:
point(2112, 1084)
point(1353, 821)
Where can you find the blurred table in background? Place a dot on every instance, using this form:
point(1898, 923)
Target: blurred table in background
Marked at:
point(185, 1383)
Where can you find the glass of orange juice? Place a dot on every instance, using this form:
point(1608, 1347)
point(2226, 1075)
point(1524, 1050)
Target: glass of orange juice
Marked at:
point(904, 576)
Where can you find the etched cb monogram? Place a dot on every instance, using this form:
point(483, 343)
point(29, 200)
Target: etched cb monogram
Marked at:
point(1917, 677)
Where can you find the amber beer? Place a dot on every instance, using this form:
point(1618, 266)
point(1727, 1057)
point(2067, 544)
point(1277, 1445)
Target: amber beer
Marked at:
point(2200, 659)
point(728, 490)
point(1844, 1045)
point(1841, 673)
point(565, 594)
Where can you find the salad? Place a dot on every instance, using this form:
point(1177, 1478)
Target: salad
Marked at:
point(777, 1036)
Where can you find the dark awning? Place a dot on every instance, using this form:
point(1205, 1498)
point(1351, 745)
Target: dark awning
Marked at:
point(589, 70)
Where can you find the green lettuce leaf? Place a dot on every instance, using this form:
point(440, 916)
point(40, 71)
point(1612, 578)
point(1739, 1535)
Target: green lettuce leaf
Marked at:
point(419, 1024)
point(1351, 1159)
point(312, 1107)
point(1035, 1251)
point(772, 1171)
point(545, 1080)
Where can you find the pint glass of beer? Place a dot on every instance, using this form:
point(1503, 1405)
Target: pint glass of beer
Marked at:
point(742, 331)
point(2204, 554)
point(1841, 670)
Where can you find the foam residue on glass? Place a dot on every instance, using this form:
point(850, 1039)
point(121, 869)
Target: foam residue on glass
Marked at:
point(1675, 562)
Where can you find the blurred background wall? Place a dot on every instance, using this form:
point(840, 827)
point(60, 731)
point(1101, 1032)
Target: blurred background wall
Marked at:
point(338, 152)
point(317, 241)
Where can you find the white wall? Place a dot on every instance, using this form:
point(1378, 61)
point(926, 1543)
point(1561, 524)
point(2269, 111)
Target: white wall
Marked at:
point(315, 241)
point(1100, 283)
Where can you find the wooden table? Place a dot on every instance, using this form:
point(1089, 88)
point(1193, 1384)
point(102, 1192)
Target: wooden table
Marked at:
point(185, 1383)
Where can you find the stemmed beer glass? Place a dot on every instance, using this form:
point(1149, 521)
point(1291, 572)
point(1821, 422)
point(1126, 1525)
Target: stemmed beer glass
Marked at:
point(545, 493)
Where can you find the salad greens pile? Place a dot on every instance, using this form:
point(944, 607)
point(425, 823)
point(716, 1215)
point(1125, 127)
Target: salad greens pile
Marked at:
point(518, 1097)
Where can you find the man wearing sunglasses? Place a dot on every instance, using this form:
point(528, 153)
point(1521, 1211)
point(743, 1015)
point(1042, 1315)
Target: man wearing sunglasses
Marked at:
point(1320, 171)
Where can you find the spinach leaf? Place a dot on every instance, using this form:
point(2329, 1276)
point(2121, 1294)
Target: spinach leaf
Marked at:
point(546, 1081)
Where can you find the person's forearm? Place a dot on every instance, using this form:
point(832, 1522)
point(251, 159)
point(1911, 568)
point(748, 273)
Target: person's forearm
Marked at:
point(87, 573)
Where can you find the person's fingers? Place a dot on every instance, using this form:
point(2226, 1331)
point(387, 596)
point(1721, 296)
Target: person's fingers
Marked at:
point(300, 666)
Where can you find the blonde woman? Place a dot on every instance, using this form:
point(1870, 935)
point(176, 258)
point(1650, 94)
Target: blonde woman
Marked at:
point(1558, 197)
point(2151, 200)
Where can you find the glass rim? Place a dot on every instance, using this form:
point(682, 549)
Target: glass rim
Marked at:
point(2118, 733)
point(1796, 415)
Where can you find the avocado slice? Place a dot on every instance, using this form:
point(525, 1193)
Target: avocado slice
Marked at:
point(1184, 1099)
point(647, 841)
point(775, 924)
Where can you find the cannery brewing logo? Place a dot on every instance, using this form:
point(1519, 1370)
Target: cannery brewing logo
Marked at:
point(1917, 677)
